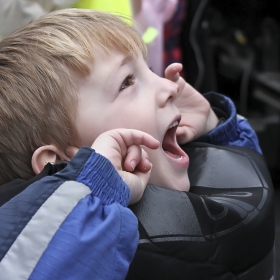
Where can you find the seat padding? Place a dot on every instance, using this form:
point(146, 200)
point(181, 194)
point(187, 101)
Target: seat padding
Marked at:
point(222, 229)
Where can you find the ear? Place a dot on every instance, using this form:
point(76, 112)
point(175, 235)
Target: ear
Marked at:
point(45, 154)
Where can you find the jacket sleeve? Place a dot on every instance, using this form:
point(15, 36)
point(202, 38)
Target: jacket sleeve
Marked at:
point(235, 130)
point(72, 225)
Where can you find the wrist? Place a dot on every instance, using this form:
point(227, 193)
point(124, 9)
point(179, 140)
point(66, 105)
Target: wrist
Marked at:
point(212, 121)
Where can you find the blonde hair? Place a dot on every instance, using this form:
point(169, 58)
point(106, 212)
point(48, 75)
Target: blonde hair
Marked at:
point(38, 96)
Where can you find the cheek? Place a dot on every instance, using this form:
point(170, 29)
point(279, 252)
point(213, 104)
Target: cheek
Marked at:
point(131, 118)
point(155, 157)
point(91, 125)
point(88, 129)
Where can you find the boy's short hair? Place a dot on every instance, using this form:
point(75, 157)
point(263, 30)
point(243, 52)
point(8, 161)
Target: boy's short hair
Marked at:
point(38, 93)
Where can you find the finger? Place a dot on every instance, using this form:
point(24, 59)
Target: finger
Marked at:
point(134, 153)
point(144, 164)
point(182, 135)
point(185, 134)
point(172, 72)
point(143, 181)
point(71, 151)
point(137, 188)
point(114, 144)
point(137, 137)
point(137, 158)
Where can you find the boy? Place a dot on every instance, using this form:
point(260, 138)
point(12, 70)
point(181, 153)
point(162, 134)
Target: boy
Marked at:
point(77, 78)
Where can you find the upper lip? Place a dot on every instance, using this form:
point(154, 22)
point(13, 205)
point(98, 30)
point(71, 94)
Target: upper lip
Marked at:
point(175, 122)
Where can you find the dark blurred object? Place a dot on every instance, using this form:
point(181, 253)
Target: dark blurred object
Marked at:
point(172, 35)
point(197, 50)
point(233, 47)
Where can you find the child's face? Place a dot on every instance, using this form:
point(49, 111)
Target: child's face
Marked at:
point(124, 93)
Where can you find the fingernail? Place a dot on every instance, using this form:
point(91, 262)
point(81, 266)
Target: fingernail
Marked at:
point(148, 163)
point(133, 164)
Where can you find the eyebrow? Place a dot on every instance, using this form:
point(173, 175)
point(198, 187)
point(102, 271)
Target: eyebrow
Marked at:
point(112, 72)
point(124, 61)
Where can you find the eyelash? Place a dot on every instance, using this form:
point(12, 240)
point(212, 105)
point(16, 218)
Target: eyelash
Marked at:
point(129, 81)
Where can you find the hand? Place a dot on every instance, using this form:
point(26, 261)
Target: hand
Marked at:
point(122, 148)
point(197, 116)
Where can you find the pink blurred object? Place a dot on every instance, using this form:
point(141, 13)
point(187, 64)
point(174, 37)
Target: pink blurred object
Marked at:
point(154, 13)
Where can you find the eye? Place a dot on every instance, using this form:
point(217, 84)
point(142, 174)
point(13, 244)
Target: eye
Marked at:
point(128, 81)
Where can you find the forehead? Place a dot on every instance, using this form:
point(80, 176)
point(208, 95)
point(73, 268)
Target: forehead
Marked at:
point(103, 69)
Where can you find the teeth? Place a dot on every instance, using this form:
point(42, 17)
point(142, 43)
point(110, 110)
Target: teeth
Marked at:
point(174, 124)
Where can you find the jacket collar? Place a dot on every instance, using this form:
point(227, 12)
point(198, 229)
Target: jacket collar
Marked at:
point(13, 188)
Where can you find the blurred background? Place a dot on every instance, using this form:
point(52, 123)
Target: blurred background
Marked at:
point(229, 46)
point(233, 47)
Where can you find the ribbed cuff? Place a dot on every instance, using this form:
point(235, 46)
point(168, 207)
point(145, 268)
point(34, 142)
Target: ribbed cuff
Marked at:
point(226, 131)
point(104, 181)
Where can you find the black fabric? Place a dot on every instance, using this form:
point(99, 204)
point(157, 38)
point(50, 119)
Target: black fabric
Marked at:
point(13, 188)
point(222, 229)
point(217, 102)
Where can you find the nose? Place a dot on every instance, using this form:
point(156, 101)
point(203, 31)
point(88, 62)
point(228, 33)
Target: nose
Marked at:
point(167, 92)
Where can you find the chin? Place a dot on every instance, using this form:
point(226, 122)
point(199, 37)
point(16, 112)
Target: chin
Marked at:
point(178, 181)
point(182, 185)
point(182, 189)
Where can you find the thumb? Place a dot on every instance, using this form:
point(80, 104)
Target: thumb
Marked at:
point(172, 72)
point(138, 186)
point(182, 135)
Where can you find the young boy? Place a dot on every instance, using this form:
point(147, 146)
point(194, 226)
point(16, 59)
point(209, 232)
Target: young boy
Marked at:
point(78, 78)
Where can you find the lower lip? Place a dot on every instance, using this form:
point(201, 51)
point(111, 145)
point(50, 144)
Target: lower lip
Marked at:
point(183, 161)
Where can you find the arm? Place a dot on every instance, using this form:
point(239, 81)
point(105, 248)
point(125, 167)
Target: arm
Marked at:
point(77, 229)
point(72, 224)
point(100, 235)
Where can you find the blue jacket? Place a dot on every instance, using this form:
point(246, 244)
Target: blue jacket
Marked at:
point(235, 130)
point(75, 224)
point(72, 225)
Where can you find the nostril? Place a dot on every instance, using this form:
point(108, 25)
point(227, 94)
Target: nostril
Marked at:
point(168, 92)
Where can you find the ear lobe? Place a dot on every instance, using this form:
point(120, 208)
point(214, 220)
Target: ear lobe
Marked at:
point(45, 154)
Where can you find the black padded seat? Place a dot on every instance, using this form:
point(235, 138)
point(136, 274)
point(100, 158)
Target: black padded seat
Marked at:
point(222, 229)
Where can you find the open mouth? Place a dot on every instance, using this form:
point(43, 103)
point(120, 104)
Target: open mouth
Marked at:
point(169, 143)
